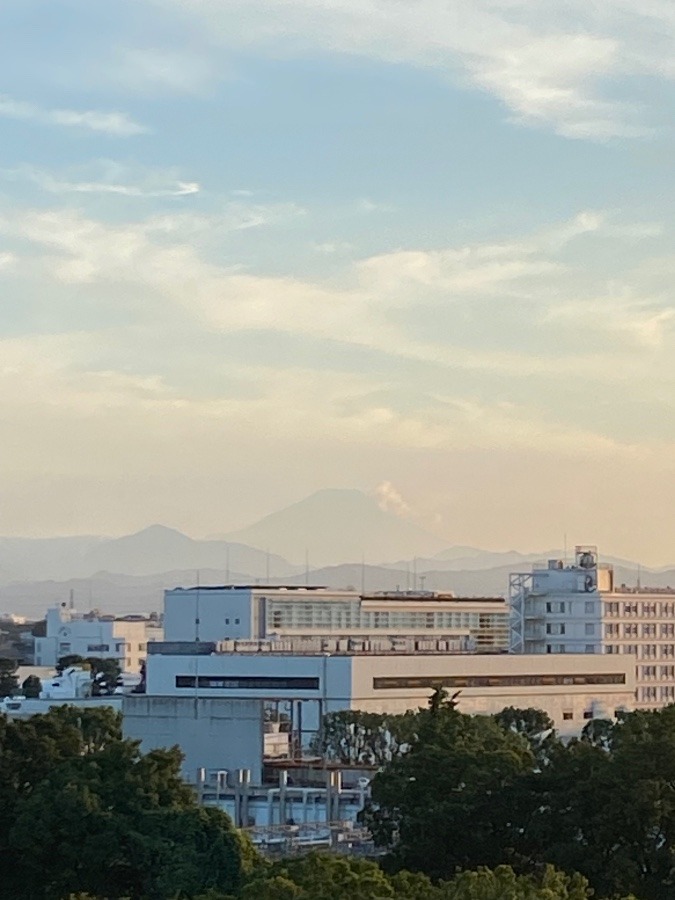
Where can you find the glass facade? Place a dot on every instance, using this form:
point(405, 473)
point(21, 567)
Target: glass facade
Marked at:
point(488, 630)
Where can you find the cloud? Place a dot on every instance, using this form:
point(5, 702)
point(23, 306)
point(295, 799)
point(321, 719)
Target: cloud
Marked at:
point(109, 178)
point(115, 124)
point(389, 499)
point(396, 304)
point(563, 64)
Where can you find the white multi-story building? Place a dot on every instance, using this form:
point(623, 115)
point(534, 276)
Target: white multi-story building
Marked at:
point(69, 633)
point(577, 608)
point(252, 612)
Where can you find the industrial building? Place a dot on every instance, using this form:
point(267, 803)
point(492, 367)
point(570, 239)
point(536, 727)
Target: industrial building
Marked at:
point(577, 608)
point(123, 638)
point(249, 612)
point(210, 698)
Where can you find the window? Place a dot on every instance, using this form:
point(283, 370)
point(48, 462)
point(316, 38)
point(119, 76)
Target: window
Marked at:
point(590, 648)
point(588, 714)
point(668, 672)
point(555, 628)
point(612, 630)
point(469, 681)
point(612, 609)
point(589, 629)
point(568, 715)
point(630, 630)
point(630, 648)
point(649, 631)
point(227, 621)
point(250, 682)
point(236, 621)
point(649, 651)
point(630, 609)
point(99, 648)
point(589, 607)
point(668, 651)
point(649, 671)
point(557, 608)
point(668, 630)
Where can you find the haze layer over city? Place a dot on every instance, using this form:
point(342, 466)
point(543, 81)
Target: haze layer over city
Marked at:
point(252, 251)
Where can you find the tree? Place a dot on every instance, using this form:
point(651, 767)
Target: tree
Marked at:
point(448, 802)
point(321, 876)
point(31, 687)
point(82, 810)
point(535, 725)
point(72, 659)
point(8, 680)
point(352, 737)
point(502, 882)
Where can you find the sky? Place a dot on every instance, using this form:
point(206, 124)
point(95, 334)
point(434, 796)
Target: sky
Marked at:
point(254, 248)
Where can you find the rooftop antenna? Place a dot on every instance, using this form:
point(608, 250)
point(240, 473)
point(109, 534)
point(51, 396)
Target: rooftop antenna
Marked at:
point(197, 609)
point(639, 585)
point(196, 700)
point(422, 577)
point(72, 599)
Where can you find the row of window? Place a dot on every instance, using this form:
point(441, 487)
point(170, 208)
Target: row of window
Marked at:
point(643, 609)
point(660, 672)
point(248, 682)
point(645, 630)
point(560, 608)
point(643, 651)
point(471, 681)
point(351, 615)
point(559, 628)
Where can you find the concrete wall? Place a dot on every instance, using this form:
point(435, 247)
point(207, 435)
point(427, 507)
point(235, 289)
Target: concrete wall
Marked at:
point(222, 614)
point(213, 733)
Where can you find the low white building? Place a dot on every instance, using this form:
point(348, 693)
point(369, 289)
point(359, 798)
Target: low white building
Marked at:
point(325, 676)
point(124, 639)
point(72, 687)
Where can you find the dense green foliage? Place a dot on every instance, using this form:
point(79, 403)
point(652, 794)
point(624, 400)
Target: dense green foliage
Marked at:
point(31, 687)
point(481, 791)
point(8, 679)
point(82, 810)
point(323, 877)
point(467, 808)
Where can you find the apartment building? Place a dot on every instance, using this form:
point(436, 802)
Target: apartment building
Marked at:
point(123, 638)
point(577, 608)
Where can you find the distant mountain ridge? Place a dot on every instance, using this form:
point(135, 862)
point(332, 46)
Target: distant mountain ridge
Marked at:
point(349, 541)
point(338, 526)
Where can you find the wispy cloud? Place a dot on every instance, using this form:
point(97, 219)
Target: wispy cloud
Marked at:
point(559, 64)
point(109, 178)
point(115, 124)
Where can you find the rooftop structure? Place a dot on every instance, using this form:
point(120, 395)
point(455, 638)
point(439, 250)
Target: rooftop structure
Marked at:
point(576, 608)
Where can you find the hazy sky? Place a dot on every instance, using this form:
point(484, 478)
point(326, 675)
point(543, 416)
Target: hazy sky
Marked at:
point(251, 248)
